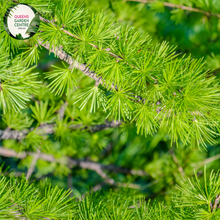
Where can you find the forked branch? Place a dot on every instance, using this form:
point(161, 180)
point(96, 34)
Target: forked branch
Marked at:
point(71, 162)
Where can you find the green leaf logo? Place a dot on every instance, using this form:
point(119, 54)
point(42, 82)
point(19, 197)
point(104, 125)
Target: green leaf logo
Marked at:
point(19, 37)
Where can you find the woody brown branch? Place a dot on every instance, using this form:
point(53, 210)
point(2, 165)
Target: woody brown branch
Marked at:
point(71, 162)
point(49, 129)
point(217, 199)
point(183, 7)
point(75, 64)
point(62, 110)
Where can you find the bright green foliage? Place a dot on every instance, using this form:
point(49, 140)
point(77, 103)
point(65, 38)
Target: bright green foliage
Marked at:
point(17, 83)
point(192, 32)
point(63, 80)
point(20, 199)
point(42, 114)
point(30, 56)
point(171, 100)
point(188, 96)
point(193, 192)
point(97, 97)
point(13, 120)
point(41, 200)
point(201, 195)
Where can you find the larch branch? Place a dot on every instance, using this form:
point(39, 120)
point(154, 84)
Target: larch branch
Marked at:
point(71, 162)
point(74, 64)
point(49, 129)
point(93, 45)
point(183, 7)
point(74, 36)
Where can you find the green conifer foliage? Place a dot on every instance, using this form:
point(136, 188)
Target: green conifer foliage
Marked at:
point(96, 103)
point(20, 199)
point(177, 91)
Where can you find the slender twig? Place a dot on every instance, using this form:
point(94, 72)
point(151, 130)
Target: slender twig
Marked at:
point(33, 163)
point(183, 7)
point(105, 177)
point(93, 189)
point(74, 36)
point(71, 162)
point(75, 64)
point(97, 187)
point(206, 161)
point(111, 124)
point(62, 110)
point(217, 199)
